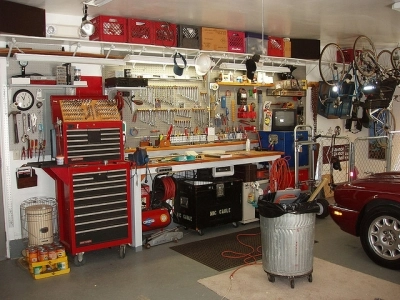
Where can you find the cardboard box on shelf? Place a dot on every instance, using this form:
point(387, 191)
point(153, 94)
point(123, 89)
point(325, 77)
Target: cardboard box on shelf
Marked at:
point(214, 39)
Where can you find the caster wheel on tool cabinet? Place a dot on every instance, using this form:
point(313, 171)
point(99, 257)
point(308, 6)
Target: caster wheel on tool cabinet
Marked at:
point(292, 283)
point(122, 251)
point(147, 246)
point(79, 260)
point(235, 224)
point(200, 232)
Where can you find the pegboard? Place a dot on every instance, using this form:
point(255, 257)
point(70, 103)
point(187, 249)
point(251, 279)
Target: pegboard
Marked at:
point(41, 111)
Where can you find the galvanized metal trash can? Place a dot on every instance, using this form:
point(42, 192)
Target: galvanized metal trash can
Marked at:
point(287, 245)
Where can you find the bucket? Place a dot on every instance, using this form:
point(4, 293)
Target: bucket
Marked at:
point(40, 224)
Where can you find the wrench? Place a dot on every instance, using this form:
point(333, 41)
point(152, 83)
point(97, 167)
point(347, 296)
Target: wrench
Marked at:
point(25, 136)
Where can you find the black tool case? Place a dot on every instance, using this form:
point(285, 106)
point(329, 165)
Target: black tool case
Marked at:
point(202, 204)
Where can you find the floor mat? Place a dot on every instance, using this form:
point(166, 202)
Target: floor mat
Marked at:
point(226, 251)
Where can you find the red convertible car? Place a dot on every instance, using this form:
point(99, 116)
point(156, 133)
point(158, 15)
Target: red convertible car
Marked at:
point(370, 208)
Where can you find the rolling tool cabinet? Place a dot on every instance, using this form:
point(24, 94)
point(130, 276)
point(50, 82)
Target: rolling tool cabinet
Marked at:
point(202, 204)
point(93, 185)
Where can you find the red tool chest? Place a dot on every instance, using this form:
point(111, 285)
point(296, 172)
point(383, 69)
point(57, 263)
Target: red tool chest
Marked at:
point(93, 186)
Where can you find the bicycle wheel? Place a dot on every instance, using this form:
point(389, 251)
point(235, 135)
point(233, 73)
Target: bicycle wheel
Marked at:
point(364, 55)
point(383, 123)
point(395, 58)
point(384, 61)
point(332, 64)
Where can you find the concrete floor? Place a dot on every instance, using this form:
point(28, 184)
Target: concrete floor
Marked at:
point(161, 273)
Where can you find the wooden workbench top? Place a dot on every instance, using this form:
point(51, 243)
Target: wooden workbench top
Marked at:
point(238, 157)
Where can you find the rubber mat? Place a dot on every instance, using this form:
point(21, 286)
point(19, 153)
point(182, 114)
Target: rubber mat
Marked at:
point(226, 251)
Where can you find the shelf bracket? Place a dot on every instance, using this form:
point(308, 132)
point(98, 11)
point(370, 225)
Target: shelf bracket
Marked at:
point(78, 45)
point(112, 47)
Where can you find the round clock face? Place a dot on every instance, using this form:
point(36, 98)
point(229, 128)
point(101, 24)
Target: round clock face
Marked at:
point(23, 63)
point(24, 99)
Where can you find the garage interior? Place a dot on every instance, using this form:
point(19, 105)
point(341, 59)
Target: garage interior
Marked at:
point(162, 273)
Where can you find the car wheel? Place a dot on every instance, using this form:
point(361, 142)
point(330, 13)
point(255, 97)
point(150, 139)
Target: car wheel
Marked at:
point(380, 236)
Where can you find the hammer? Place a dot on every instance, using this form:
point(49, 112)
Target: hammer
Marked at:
point(14, 113)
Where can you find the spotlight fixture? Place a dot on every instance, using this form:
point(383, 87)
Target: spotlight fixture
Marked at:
point(87, 28)
point(396, 6)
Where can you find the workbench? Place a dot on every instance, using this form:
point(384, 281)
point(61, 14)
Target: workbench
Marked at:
point(137, 174)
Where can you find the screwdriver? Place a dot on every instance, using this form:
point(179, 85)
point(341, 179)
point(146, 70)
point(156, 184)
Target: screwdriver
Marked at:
point(36, 146)
point(31, 148)
point(43, 147)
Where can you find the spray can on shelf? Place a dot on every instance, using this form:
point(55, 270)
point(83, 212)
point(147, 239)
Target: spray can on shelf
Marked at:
point(247, 144)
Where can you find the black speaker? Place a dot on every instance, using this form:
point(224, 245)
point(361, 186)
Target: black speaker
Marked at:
point(22, 19)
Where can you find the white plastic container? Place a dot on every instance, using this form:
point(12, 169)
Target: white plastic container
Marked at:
point(248, 145)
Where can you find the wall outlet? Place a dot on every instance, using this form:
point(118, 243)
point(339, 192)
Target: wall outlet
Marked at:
point(17, 155)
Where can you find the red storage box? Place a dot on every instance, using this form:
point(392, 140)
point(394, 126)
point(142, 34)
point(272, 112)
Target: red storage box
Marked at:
point(141, 31)
point(348, 55)
point(236, 41)
point(165, 34)
point(276, 46)
point(110, 29)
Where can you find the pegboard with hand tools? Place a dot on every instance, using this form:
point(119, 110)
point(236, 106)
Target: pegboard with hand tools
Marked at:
point(166, 102)
point(30, 120)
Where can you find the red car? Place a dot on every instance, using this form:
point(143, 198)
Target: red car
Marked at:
point(370, 208)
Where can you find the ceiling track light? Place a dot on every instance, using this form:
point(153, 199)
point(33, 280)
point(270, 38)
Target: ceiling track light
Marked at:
point(396, 6)
point(87, 28)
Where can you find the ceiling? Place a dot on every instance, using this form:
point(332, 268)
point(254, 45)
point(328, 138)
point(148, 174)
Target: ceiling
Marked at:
point(339, 21)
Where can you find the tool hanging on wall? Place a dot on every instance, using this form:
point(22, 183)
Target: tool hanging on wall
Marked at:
point(14, 114)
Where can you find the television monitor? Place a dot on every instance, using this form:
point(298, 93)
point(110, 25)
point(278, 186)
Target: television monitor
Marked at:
point(284, 119)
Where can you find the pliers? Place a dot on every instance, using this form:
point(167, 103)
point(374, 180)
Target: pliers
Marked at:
point(23, 153)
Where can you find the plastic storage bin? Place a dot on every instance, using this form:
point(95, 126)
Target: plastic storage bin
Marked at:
point(276, 46)
point(189, 36)
point(236, 41)
point(165, 34)
point(110, 29)
point(256, 44)
point(141, 31)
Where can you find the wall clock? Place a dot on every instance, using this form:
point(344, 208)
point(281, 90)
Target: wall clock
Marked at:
point(23, 99)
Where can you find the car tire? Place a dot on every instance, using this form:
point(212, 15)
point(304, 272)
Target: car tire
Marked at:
point(380, 236)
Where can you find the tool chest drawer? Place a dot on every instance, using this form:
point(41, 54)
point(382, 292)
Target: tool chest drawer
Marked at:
point(202, 204)
point(96, 207)
point(93, 144)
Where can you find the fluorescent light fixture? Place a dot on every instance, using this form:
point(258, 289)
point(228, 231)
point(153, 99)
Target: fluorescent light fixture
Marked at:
point(154, 60)
point(233, 66)
point(69, 59)
point(396, 6)
point(96, 2)
point(242, 67)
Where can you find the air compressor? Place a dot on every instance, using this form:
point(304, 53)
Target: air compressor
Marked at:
point(158, 214)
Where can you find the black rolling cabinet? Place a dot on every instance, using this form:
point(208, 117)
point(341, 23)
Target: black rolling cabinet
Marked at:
point(202, 204)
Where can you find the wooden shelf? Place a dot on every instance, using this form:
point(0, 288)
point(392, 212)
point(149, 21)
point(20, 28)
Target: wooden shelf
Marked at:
point(48, 86)
point(245, 84)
